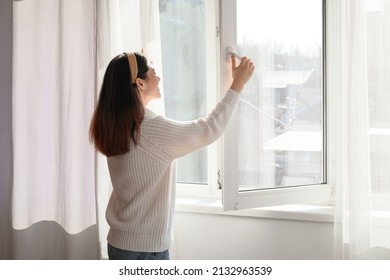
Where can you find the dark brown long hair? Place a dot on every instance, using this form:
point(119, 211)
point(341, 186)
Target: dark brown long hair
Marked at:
point(119, 111)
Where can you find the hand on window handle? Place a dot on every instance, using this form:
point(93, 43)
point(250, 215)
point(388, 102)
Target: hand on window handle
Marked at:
point(241, 73)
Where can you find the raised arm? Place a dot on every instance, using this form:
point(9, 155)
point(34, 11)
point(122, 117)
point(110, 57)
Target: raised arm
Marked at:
point(176, 139)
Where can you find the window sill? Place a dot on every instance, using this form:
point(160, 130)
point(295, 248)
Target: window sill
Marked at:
point(302, 212)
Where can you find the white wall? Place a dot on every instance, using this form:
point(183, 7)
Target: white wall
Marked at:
point(210, 236)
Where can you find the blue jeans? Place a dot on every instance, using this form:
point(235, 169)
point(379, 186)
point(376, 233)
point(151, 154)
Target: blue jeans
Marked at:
point(120, 254)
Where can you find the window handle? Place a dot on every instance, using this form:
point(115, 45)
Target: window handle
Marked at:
point(230, 52)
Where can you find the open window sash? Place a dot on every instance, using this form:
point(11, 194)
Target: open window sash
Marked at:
point(276, 148)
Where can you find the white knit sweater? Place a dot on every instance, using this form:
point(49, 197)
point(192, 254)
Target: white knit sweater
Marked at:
point(141, 206)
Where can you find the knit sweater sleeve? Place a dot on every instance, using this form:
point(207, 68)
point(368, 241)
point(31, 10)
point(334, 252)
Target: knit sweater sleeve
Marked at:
point(177, 138)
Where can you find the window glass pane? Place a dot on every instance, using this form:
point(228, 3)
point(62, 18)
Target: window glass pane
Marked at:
point(183, 40)
point(281, 124)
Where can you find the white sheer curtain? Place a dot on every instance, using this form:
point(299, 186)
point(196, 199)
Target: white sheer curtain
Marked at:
point(53, 99)
point(359, 40)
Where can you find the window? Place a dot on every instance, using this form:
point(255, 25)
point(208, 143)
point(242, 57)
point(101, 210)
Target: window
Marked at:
point(281, 152)
point(279, 134)
point(190, 75)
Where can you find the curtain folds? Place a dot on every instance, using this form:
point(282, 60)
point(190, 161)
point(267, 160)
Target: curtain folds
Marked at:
point(53, 99)
point(53, 92)
point(359, 64)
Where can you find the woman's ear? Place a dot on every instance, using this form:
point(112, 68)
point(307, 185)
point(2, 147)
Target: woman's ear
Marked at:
point(140, 84)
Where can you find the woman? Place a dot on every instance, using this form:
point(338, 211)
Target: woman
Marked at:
point(141, 149)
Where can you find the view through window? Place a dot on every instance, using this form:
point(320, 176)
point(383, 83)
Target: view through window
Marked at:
point(281, 124)
point(183, 40)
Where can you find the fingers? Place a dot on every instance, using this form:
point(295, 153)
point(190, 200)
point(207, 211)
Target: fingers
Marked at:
point(251, 66)
point(241, 73)
point(247, 62)
point(247, 66)
point(244, 63)
point(234, 64)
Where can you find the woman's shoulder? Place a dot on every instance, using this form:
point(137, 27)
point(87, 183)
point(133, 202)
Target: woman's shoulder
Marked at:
point(155, 125)
point(149, 114)
point(153, 121)
point(152, 117)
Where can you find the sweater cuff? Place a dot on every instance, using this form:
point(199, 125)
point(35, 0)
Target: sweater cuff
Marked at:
point(233, 91)
point(232, 96)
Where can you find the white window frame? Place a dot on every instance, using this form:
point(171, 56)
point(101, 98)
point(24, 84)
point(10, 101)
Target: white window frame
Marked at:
point(232, 198)
point(218, 17)
point(214, 151)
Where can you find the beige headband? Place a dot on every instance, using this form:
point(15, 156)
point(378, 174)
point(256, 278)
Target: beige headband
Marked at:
point(133, 66)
